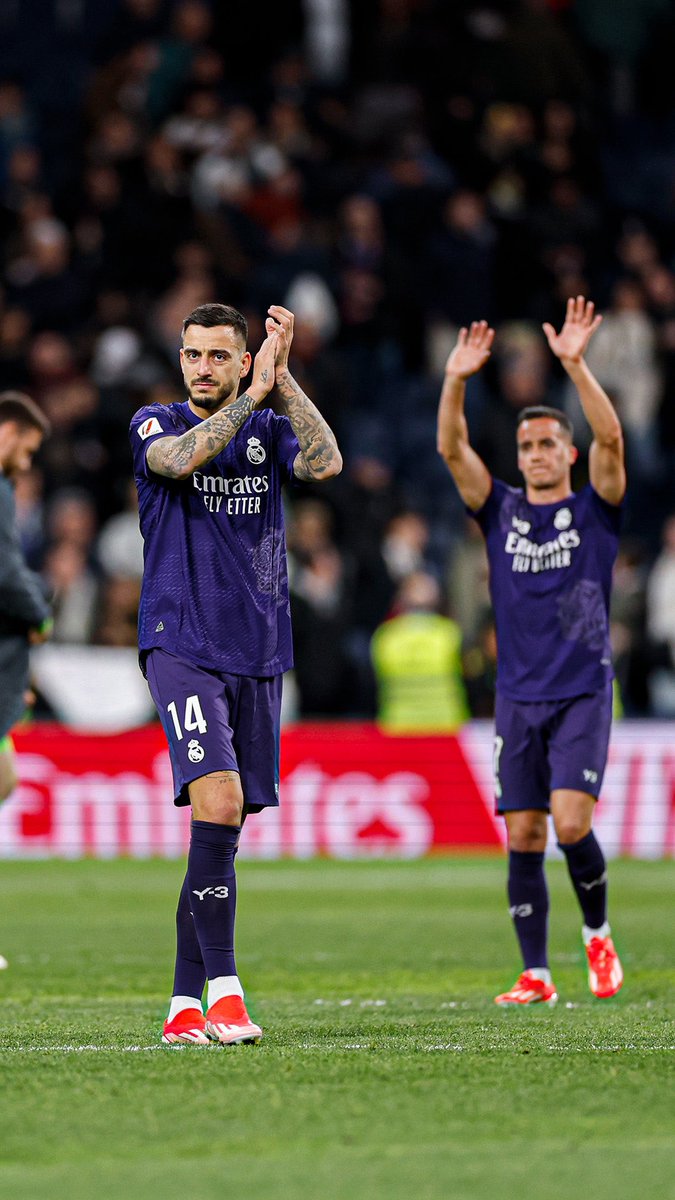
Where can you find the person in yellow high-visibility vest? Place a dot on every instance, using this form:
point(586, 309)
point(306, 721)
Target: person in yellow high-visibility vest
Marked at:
point(417, 660)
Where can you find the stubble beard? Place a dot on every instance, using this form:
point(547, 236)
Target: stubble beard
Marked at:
point(211, 401)
point(545, 485)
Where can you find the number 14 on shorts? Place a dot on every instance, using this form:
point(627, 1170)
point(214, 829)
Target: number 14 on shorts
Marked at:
point(193, 717)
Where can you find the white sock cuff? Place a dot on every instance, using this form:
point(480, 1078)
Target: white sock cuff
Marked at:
point(179, 1003)
point(542, 973)
point(587, 934)
point(224, 985)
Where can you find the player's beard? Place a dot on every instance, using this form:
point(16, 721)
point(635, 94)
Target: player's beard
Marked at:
point(546, 484)
point(211, 400)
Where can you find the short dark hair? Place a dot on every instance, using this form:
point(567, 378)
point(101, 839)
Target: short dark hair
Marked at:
point(209, 315)
point(17, 407)
point(543, 410)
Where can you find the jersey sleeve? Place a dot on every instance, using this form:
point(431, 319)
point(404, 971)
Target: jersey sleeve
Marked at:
point(147, 426)
point(489, 515)
point(287, 446)
point(611, 515)
point(23, 604)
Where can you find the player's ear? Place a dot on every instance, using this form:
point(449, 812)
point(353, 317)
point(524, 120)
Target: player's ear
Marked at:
point(574, 454)
point(245, 364)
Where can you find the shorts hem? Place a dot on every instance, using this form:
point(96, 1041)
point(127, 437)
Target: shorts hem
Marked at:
point(503, 810)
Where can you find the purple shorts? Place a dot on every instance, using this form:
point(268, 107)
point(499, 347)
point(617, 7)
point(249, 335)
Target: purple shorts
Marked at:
point(218, 722)
point(548, 745)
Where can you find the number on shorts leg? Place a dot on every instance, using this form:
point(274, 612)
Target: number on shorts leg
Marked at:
point(499, 743)
point(193, 719)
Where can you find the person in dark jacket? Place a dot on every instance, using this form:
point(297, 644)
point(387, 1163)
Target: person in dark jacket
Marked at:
point(24, 609)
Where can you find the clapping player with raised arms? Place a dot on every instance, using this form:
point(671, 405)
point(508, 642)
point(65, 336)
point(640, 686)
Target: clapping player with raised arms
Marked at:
point(214, 622)
point(551, 553)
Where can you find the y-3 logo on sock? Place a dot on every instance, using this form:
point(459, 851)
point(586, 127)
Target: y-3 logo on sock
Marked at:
point(594, 882)
point(220, 892)
point(520, 910)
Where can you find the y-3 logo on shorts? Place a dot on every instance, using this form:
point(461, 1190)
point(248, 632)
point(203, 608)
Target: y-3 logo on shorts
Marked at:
point(590, 776)
point(220, 892)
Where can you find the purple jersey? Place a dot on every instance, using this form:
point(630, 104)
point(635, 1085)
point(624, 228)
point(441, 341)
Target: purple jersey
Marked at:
point(215, 585)
point(550, 578)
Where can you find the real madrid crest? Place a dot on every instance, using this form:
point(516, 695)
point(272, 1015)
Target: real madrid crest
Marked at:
point(255, 452)
point(563, 518)
point(195, 751)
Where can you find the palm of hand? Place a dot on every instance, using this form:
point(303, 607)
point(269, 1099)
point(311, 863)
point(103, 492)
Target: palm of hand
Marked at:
point(571, 341)
point(472, 350)
point(466, 360)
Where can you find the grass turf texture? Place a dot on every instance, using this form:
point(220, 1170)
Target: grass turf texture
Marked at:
point(386, 1070)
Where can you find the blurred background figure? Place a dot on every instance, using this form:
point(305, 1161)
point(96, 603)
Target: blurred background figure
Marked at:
point(321, 589)
point(418, 663)
point(660, 602)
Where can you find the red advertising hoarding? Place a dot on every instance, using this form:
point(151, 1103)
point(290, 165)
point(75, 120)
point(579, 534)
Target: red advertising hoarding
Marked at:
point(347, 791)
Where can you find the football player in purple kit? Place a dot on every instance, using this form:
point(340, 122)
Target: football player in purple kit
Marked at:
point(551, 553)
point(214, 620)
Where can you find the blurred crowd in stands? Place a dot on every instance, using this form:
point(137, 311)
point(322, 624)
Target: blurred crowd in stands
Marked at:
point(389, 170)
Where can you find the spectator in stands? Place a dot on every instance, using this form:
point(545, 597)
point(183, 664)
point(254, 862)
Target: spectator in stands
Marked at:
point(418, 663)
point(74, 589)
point(661, 623)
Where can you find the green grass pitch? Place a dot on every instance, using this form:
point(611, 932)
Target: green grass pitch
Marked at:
point(386, 1070)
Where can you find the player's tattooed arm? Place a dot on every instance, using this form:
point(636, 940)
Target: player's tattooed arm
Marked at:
point(319, 457)
point(178, 457)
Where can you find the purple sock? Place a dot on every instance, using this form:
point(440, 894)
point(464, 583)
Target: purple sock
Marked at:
point(528, 905)
point(213, 893)
point(189, 976)
point(588, 872)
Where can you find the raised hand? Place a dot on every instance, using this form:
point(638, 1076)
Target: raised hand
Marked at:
point(264, 364)
point(580, 324)
point(472, 350)
point(280, 321)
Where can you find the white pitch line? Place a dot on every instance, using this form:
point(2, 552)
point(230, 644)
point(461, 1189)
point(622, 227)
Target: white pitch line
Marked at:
point(323, 1046)
point(81, 1049)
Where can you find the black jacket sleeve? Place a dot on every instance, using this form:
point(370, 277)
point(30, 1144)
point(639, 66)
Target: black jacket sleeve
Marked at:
point(23, 604)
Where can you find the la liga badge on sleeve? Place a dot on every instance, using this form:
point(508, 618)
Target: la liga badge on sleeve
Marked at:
point(149, 427)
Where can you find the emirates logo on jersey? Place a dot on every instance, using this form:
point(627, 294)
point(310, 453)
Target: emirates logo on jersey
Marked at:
point(255, 452)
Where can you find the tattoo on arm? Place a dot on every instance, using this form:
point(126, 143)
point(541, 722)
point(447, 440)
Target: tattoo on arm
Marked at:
point(320, 457)
point(176, 457)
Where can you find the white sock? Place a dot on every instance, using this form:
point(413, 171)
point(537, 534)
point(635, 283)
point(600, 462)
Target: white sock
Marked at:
point(179, 1003)
point(587, 934)
point(542, 973)
point(224, 985)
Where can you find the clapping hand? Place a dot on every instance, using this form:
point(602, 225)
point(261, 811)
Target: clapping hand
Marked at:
point(280, 321)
